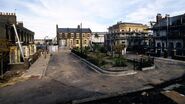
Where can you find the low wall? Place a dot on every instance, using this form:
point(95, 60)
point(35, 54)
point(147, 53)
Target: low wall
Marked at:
point(148, 68)
point(99, 70)
point(177, 57)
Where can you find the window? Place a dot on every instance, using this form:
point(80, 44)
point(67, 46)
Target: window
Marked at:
point(158, 45)
point(63, 35)
point(72, 35)
point(12, 56)
point(178, 45)
point(66, 35)
point(77, 41)
point(71, 42)
point(163, 46)
point(171, 46)
point(88, 35)
point(85, 41)
point(130, 30)
point(77, 35)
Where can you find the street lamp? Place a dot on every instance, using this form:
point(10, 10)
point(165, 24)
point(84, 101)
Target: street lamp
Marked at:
point(45, 46)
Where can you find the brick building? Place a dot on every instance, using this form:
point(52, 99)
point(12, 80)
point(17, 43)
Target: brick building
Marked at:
point(70, 37)
point(9, 50)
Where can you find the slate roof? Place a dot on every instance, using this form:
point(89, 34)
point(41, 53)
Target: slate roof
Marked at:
point(171, 21)
point(73, 30)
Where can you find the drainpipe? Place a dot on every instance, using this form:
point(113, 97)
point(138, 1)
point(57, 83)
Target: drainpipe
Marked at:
point(45, 46)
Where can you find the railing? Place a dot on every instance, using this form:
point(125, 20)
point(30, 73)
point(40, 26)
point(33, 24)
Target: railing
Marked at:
point(141, 63)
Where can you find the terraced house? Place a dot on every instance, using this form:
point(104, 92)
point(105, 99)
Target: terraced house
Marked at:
point(9, 50)
point(70, 37)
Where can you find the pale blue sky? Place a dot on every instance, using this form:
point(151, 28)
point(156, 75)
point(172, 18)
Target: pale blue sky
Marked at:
point(41, 16)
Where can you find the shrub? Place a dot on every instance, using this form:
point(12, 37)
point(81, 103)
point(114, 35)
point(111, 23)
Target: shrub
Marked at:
point(103, 50)
point(119, 62)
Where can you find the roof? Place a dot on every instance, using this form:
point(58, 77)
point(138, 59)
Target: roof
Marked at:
point(130, 23)
point(100, 33)
point(171, 21)
point(73, 30)
point(127, 23)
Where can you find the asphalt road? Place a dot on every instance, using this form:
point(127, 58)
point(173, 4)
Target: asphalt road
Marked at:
point(67, 79)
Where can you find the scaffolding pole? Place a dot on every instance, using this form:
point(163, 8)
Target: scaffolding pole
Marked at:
point(18, 41)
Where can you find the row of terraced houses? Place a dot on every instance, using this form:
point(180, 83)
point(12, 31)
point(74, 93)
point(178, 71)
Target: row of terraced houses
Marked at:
point(10, 54)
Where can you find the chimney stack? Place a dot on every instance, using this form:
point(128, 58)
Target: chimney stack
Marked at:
point(158, 17)
point(78, 26)
point(167, 15)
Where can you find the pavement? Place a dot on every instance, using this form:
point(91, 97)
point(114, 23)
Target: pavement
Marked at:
point(38, 68)
point(67, 78)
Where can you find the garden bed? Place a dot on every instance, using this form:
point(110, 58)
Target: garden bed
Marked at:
point(105, 61)
point(116, 63)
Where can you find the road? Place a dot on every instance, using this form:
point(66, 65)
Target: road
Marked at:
point(67, 79)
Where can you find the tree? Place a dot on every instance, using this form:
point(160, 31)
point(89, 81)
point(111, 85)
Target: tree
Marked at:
point(96, 35)
point(118, 48)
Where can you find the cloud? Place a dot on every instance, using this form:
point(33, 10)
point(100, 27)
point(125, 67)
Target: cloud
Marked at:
point(41, 16)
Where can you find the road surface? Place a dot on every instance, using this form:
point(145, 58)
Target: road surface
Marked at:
point(67, 79)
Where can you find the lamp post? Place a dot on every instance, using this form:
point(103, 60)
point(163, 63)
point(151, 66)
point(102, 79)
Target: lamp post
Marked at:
point(45, 46)
point(81, 37)
point(167, 20)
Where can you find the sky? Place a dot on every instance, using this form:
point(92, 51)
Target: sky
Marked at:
point(41, 16)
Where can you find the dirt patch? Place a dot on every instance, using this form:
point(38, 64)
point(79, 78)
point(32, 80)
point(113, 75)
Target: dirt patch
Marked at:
point(11, 78)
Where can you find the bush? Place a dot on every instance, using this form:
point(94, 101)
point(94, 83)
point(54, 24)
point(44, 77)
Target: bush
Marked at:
point(103, 50)
point(77, 52)
point(119, 62)
point(144, 62)
point(97, 59)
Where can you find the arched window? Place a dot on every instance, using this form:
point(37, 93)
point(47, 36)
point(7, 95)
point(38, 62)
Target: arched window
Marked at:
point(171, 46)
point(178, 45)
point(158, 45)
point(163, 46)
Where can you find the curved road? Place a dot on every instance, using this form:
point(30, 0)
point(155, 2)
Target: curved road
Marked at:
point(67, 79)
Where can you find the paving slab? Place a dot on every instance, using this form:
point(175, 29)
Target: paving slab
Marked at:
point(38, 68)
